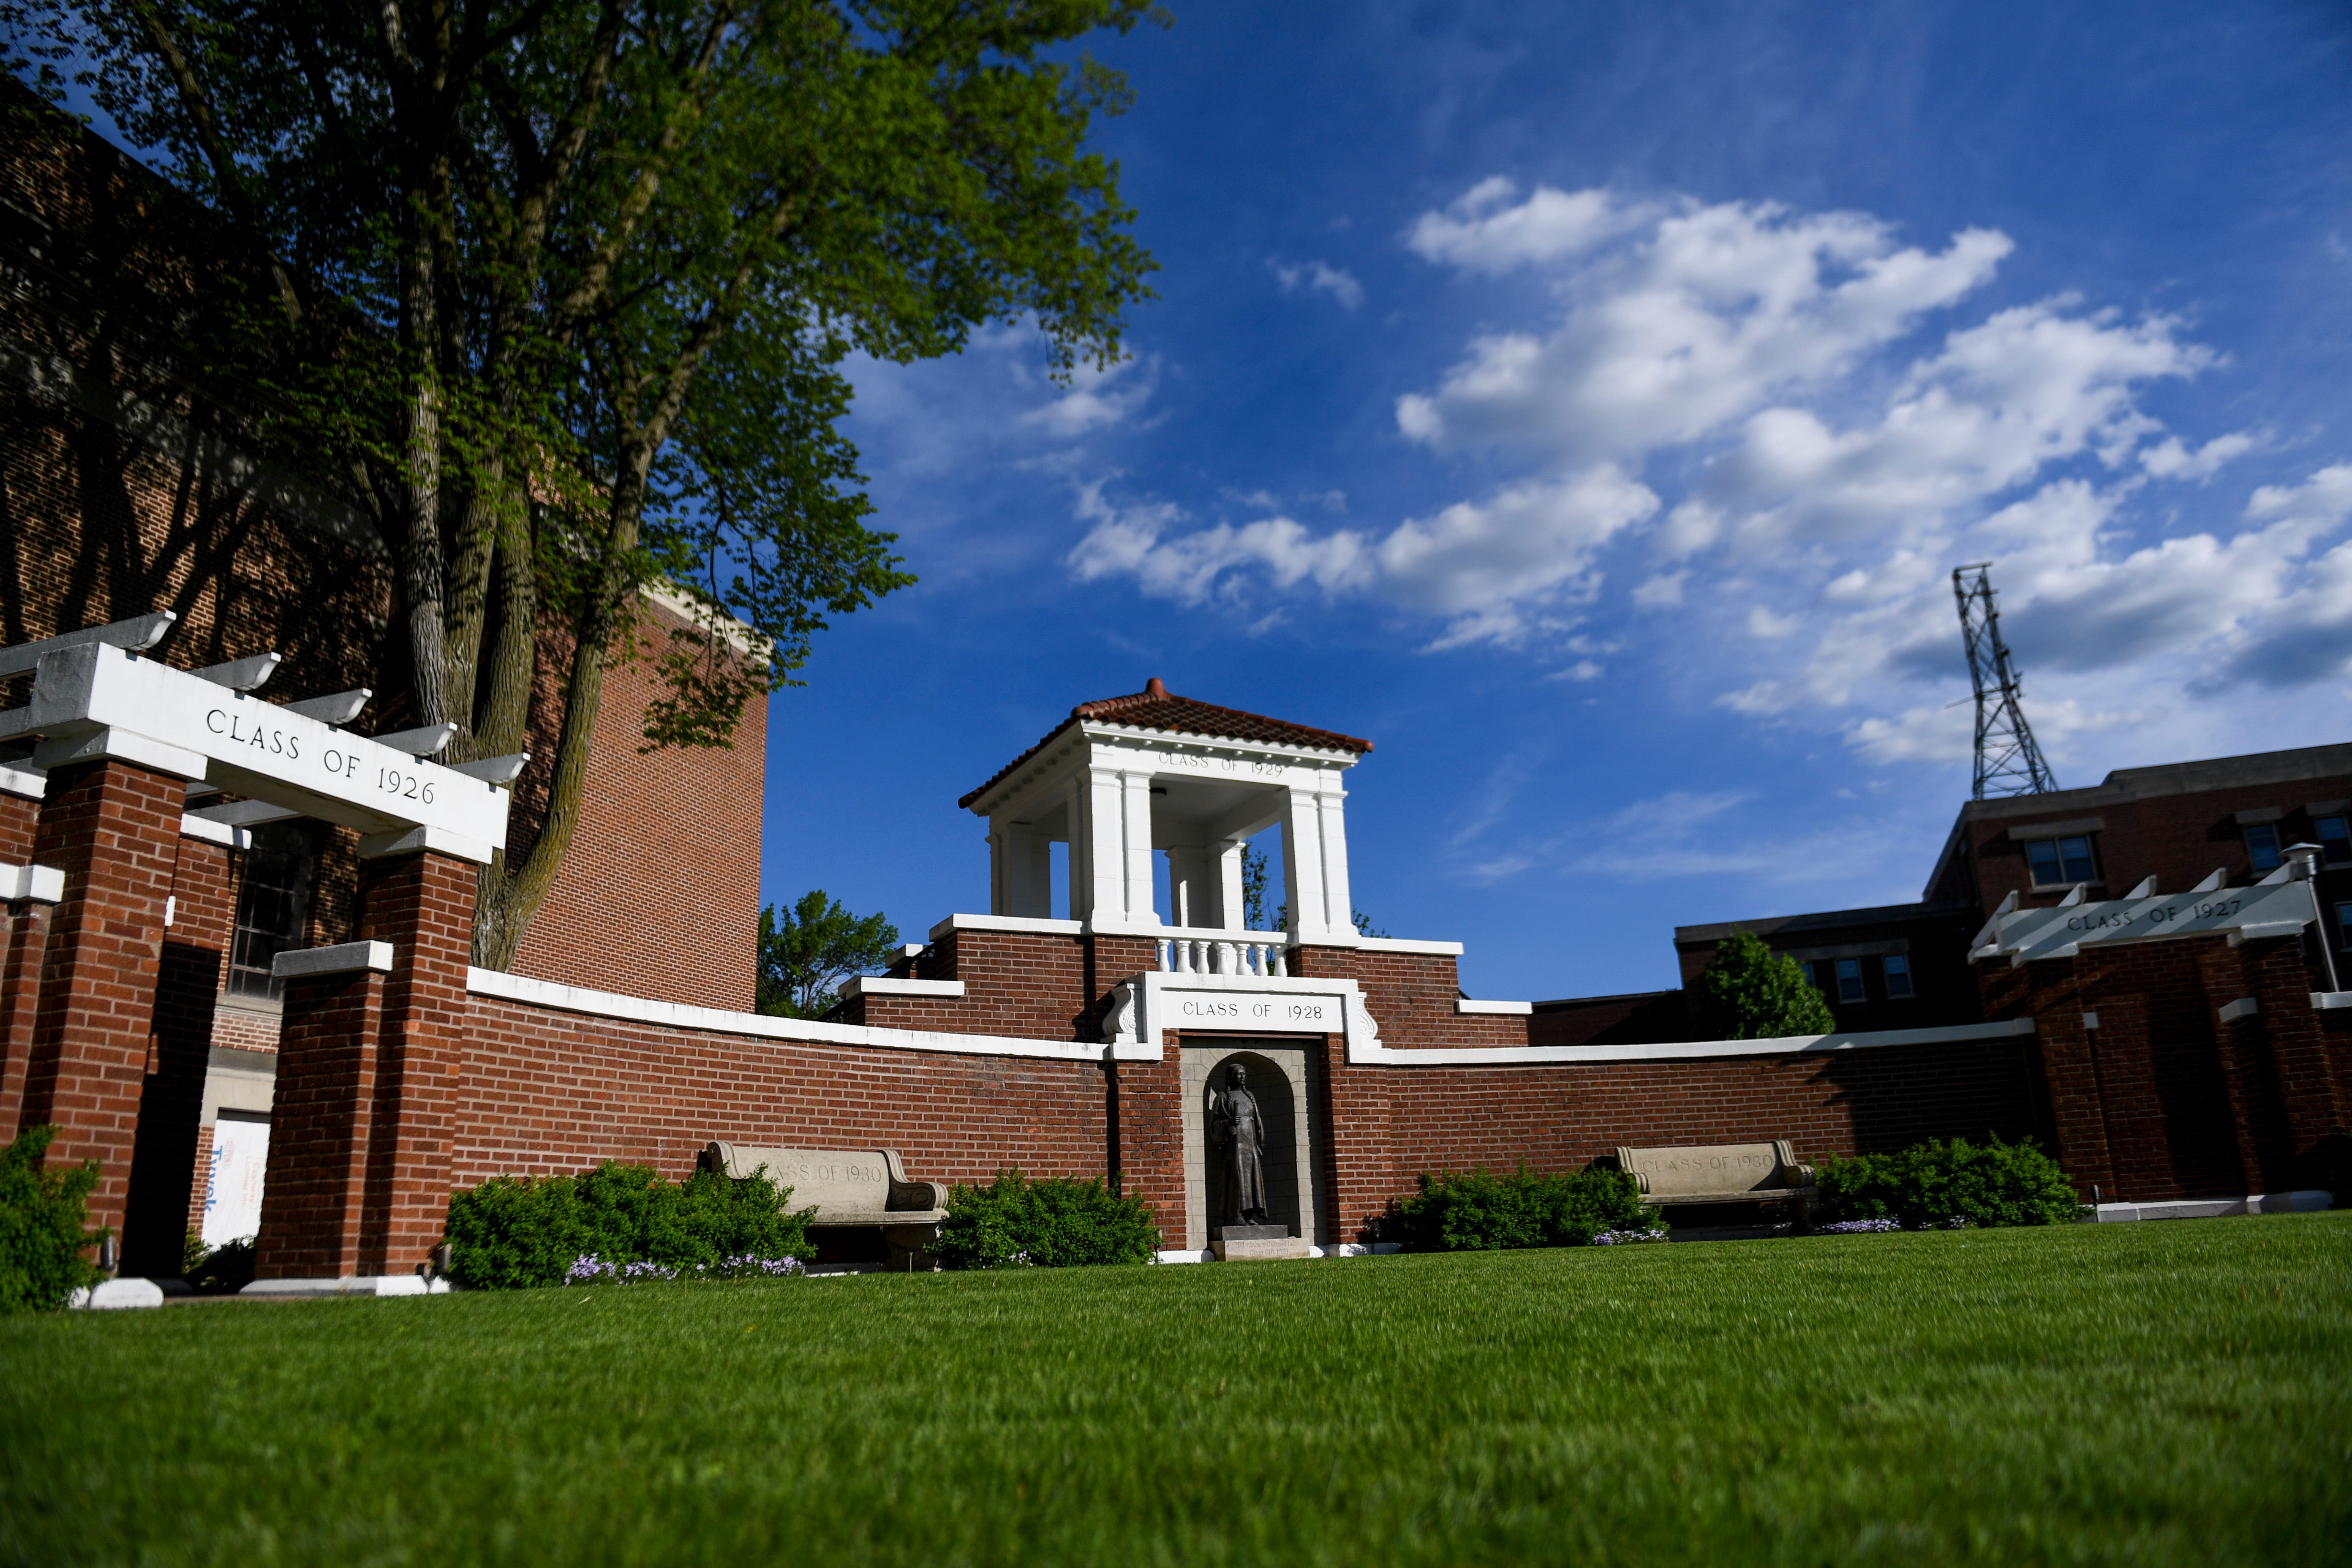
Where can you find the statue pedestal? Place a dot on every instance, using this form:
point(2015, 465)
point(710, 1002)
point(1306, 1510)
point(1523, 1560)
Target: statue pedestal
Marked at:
point(1235, 1243)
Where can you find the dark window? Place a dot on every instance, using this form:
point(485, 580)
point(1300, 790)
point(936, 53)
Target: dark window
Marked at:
point(2335, 840)
point(2263, 846)
point(2057, 861)
point(1849, 977)
point(272, 898)
point(2344, 925)
point(1897, 969)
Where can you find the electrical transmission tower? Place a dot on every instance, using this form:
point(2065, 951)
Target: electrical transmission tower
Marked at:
point(2008, 762)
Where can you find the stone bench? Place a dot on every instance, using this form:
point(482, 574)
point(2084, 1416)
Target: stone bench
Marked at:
point(861, 1188)
point(1723, 1173)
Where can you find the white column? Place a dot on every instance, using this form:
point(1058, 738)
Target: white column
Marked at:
point(1231, 908)
point(1082, 848)
point(1107, 874)
point(1338, 903)
point(1192, 891)
point(1020, 867)
point(1136, 796)
point(1302, 863)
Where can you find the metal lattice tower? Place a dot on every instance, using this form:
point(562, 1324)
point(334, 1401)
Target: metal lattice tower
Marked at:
point(2008, 762)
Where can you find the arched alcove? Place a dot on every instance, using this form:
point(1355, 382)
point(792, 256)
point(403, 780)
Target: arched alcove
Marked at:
point(1282, 1076)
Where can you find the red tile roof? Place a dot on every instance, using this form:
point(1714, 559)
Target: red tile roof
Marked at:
point(1153, 708)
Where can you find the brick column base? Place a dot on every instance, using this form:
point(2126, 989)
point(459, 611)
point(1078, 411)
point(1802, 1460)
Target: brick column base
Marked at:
point(368, 1065)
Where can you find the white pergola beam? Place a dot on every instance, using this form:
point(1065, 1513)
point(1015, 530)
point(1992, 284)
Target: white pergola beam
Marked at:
point(425, 740)
point(138, 633)
point(243, 674)
point(340, 709)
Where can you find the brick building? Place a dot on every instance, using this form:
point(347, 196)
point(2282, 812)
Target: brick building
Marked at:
point(207, 935)
point(125, 489)
point(2228, 822)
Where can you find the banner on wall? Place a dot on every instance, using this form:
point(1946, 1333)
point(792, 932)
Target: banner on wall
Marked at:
point(233, 1191)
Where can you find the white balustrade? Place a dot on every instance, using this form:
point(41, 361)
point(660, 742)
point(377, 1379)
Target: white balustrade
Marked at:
point(1265, 954)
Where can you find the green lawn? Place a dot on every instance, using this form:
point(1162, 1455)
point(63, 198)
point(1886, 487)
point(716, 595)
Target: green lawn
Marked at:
point(2171, 1392)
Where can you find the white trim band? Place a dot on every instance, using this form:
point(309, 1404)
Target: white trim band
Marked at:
point(1464, 1005)
point(1681, 1050)
point(803, 1031)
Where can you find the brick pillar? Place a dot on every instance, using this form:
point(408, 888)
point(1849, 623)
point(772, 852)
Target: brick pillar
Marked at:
point(2293, 1036)
point(113, 828)
point(171, 1107)
point(422, 903)
point(2047, 993)
point(328, 1043)
point(20, 993)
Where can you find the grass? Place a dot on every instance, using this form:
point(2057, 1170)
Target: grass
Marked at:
point(2154, 1392)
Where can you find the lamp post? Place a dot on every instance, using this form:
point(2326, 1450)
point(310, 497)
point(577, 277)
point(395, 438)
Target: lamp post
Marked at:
point(2307, 856)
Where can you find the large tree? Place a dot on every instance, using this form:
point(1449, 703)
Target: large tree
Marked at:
point(561, 291)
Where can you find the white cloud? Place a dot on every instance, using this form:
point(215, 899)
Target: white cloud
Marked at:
point(1707, 314)
point(1097, 398)
point(1797, 424)
point(1336, 281)
point(1478, 233)
point(1490, 570)
point(2171, 460)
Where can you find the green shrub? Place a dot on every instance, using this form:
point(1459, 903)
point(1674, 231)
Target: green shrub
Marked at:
point(1935, 1183)
point(1454, 1212)
point(1053, 1223)
point(41, 1216)
point(1750, 993)
point(512, 1232)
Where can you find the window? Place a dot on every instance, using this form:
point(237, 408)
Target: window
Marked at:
point(1897, 970)
point(1849, 979)
point(272, 898)
point(2263, 846)
point(2335, 840)
point(2343, 926)
point(2061, 860)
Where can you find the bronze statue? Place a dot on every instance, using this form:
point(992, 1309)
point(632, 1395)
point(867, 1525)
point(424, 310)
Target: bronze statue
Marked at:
point(1237, 1127)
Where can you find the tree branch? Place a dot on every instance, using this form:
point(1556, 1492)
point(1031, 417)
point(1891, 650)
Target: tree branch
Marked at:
point(230, 178)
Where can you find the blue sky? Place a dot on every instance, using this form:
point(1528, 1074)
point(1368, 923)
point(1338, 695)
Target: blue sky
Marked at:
point(1589, 403)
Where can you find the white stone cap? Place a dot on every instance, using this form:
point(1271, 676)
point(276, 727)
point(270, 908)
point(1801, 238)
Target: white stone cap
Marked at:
point(221, 832)
point(39, 884)
point(1399, 944)
point(884, 985)
point(1006, 922)
point(2328, 1001)
point(2244, 1008)
point(30, 782)
point(1464, 1004)
point(336, 960)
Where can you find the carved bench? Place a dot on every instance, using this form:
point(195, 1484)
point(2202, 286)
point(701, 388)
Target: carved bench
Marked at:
point(1723, 1173)
point(847, 1187)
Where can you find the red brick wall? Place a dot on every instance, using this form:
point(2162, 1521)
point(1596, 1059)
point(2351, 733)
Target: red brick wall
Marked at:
point(545, 1093)
point(1395, 1122)
point(20, 818)
point(659, 895)
point(2162, 1100)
